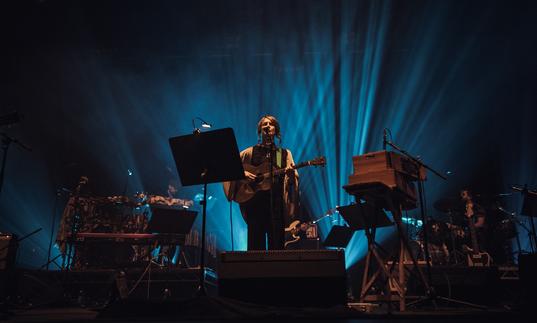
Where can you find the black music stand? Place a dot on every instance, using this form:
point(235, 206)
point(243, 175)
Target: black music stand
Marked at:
point(169, 223)
point(170, 220)
point(203, 158)
point(367, 217)
point(364, 216)
point(338, 237)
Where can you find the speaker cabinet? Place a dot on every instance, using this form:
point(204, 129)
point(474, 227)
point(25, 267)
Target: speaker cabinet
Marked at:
point(284, 277)
point(8, 250)
point(527, 269)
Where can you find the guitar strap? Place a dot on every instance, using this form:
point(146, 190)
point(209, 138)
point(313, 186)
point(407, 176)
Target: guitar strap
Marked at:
point(279, 158)
point(259, 153)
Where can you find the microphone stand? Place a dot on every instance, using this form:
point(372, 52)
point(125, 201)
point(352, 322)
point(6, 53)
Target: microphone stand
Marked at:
point(75, 223)
point(6, 142)
point(271, 206)
point(511, 216)
point(52, 228)
point(201, 288)
point(430, 293)
point(529, 208)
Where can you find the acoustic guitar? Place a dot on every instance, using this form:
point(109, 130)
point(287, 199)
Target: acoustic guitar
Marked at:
point(293, 232)
point(246, 189)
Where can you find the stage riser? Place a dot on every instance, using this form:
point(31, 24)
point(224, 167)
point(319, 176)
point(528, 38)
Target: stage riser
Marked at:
point(286, 291)
point(284, 278)
point(8, 251)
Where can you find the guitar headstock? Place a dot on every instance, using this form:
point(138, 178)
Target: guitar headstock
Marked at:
point(319, 161)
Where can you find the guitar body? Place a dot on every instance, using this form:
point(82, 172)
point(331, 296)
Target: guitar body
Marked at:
point(246, 189)
point(299, 230)
point(478, 259)
point(291, 233)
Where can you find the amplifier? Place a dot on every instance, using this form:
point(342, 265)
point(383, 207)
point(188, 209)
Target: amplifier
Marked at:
point(8, 278)
point(528, 281)
point(284, 277)
point(8, 250)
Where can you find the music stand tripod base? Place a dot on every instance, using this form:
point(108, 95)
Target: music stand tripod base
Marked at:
point(203, 158)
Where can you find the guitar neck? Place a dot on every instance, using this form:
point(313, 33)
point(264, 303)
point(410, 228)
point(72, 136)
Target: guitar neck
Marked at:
point(475, 245)
point(281, 171)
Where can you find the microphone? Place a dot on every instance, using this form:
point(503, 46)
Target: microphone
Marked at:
point(384, 138)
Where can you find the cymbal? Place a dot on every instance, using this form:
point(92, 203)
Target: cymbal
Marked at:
point(494, 195)
point(458, 219)
point(448, 204)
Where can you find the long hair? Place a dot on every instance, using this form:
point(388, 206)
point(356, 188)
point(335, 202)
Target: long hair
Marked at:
point(274, 122)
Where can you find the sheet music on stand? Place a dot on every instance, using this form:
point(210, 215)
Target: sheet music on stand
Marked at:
point(358, 217)
point(338, 237)
point(170, 220)
point(364, 216)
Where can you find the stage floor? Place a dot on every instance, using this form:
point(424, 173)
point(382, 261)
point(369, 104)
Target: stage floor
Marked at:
point(92, 295)
point(212, 309)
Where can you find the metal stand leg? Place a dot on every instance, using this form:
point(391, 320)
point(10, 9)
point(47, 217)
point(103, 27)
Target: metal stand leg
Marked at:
point(147, 271)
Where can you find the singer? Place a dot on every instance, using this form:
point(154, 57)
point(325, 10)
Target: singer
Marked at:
point(266, 229)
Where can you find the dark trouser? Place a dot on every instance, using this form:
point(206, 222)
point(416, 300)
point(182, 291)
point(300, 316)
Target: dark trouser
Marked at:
point(264, 230)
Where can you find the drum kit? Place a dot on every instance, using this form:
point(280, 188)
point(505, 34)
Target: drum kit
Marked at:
point(448, 234)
